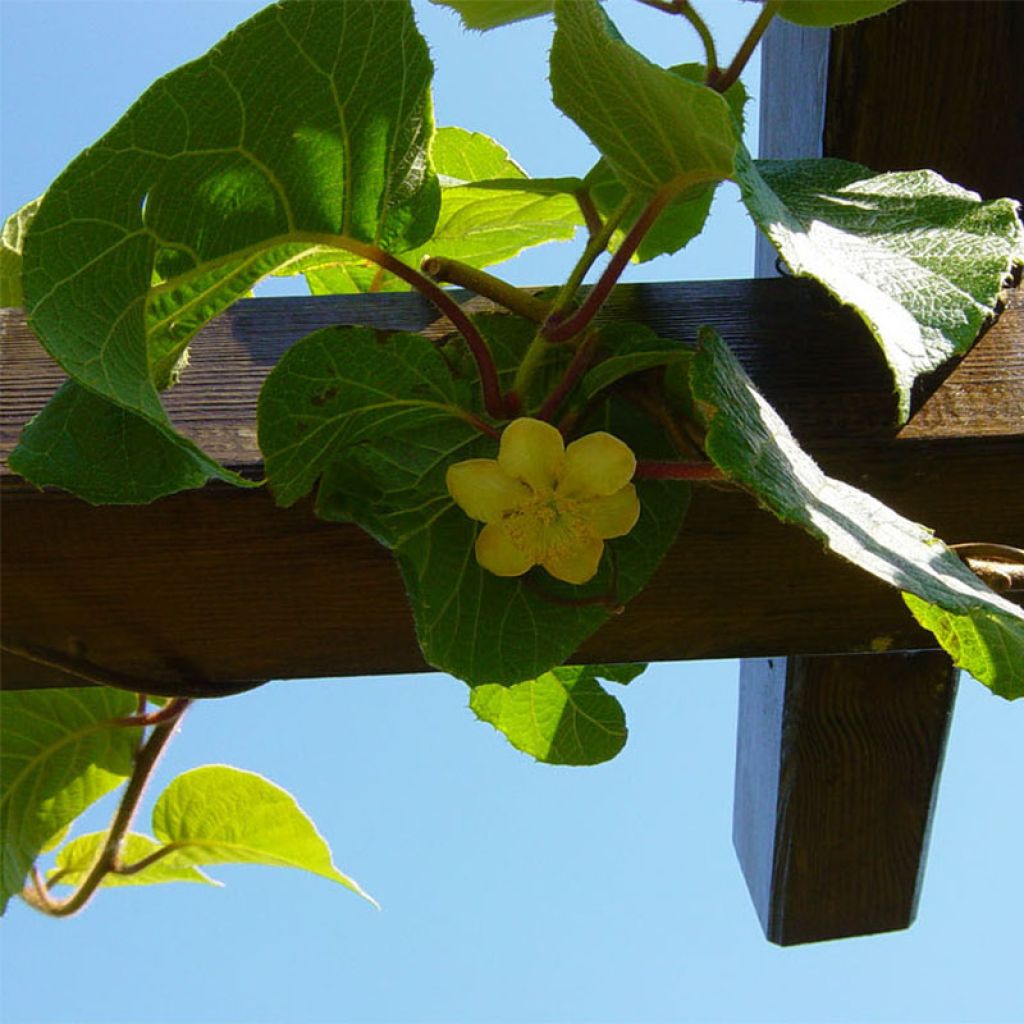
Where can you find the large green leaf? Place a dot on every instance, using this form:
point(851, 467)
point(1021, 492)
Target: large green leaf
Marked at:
point(748, 440)
point(921, 260)
point(633, 350)
point(60, 752)
point(222, 815)
point(282, 138)
point(825, 13)
point(75, 860)
point(12, 240)
point(656, 129)
point(485, 14)
point(564, 716)
point(491, 210)
point(103, 453)
point(387, 426)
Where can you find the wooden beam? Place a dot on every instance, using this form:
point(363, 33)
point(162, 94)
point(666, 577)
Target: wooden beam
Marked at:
point(838, 758)
point(837, 770)
point(220, 586)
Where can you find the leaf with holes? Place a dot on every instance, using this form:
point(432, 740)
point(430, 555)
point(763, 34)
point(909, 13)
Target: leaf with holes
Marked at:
point(748, 440)
point(222, 815)
point(564, 716)
point(282, 138)
point(922, 261)
point(60, 752)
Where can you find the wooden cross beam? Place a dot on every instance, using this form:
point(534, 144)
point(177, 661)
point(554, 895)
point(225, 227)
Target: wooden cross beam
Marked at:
point(838, 757)
point(215, 590)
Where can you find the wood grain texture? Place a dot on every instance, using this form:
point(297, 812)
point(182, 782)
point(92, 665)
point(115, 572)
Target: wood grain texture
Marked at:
point(220, 585)
point(837, 769)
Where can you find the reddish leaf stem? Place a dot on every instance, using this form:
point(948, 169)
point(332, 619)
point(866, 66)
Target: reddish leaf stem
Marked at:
point(576, 368)
point(653, 470)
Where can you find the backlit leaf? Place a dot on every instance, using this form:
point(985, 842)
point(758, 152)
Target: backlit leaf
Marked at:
point(12, 240)
point(60, 752)
point(748, 440)
point(825, 13)
point(222, 815)
point(485, 14)
point(74, 861)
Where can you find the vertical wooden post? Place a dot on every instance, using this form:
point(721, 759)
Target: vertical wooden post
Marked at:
point(837, 771)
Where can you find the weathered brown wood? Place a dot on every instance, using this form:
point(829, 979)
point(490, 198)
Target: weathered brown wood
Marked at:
point(837, 771)
point(838, 758)
point(220, 585)
point(932, 85)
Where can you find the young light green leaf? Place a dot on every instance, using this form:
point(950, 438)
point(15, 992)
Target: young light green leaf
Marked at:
point(826, 13)
point(217, 174)
point(75, 860)
point(103, 453)
point(12, 240)
point(748, 440)
point(989, 645)
point(656, 129)
point(922, 261)
point(222, 815)
point(490, 211)
point(564, 716)
point(60, 752)
point(484, 14)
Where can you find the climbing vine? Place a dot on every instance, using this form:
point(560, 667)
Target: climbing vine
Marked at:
point(530, 470)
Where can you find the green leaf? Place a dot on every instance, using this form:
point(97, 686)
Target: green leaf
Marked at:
point(59, 754)
point(345, 387)
point(222, 815)
point(989, 645)
point(485, 14)
point(103, 453)
point(218, 174)
point(825, 13)
point(564, 716)
point(748, 440)
point(75, 860)
point(655, 128)
point(12, 240)
point(490, 211)
point(636, 349)
point(380, 422)
point(922, 261)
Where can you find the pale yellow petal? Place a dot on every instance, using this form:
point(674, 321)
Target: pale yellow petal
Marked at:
point(496, 553)
point(532, 451)
point(596, 464)
point(613, 515)
point(576, 563)
point(483, 491)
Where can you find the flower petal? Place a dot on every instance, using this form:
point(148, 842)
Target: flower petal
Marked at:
point(596, 464)
point(532, 451)
point(496, 553)
point(613, 515)
point(483, 491)
point(575, 563)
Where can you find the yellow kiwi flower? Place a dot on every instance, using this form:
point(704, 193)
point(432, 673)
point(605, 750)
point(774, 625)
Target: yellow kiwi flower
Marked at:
point(547, 504)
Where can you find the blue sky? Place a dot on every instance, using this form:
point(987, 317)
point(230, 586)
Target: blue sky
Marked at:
point(511, 891)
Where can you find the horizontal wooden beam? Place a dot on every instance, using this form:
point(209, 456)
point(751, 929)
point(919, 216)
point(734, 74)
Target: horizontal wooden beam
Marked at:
point(220, 588)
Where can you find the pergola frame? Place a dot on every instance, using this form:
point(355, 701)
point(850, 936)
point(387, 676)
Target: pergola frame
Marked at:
point(840, 745)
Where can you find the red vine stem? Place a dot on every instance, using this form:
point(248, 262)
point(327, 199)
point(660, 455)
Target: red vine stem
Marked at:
point(654, 470)
point(580, 361)
point(445, 304)
point(555, 331)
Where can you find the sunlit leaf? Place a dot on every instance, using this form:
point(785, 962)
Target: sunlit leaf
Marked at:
point(74, 861)
point(922, 261)
point(825, 13)
point(564, 716)
point(12, 240)
point(222, 815)
point(60, 752)
point(748, 440)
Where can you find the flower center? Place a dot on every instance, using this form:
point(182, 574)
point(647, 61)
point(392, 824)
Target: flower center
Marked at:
point(545, 525)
